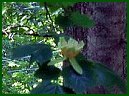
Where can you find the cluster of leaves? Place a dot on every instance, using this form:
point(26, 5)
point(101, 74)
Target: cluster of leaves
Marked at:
point(20, 25)
point(17, 78)
point(94, 74)
point(40, 54)
point(10, 83)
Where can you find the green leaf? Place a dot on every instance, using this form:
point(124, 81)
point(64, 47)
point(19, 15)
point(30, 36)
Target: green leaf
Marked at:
point(41, 56)
point(76, 66)
point(47, 72)
point(63, 21)
point(79, 83)
point(94, 74)
point(82, 20)
point(53, 6)
point(75, 19)
point(21, 30)
point(27, 50)
point(106, 77)
point(46, 87)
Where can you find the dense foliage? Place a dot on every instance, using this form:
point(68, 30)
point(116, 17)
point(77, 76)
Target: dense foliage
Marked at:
point(34, 48)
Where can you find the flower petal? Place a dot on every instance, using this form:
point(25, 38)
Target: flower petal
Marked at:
point(80, 45)
point(62, 43)
point(76, 66)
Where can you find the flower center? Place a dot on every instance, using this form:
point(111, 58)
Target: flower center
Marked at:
point(69, 53)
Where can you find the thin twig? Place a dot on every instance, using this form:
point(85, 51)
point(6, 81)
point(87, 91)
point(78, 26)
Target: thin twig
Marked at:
point(47, 12)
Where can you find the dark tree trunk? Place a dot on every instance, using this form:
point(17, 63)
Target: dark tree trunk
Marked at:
point(106, 42)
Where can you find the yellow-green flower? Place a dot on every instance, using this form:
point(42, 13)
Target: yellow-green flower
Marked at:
point(69, 49)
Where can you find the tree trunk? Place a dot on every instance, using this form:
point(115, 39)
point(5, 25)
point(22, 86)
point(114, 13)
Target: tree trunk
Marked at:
point(106, 41)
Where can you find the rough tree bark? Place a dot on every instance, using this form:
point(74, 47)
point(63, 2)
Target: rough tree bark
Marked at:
point(106, 42)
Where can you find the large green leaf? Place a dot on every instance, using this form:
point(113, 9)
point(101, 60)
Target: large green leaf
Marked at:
point(106, 77)
point(79, 83)
point(47, 72)
point(27, 50)
point(82, 20)
point(41, 56)
point(46, 87)
point(74, 19)
point(94, 74)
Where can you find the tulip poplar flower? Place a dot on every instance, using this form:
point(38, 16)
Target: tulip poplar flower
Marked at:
point(69, 49)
